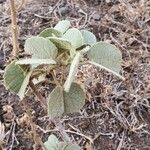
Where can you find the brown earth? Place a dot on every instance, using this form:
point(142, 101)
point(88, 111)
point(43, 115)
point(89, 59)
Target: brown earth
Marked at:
point(117, 113)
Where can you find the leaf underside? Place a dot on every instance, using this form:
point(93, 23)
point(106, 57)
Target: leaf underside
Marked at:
point(16, 79)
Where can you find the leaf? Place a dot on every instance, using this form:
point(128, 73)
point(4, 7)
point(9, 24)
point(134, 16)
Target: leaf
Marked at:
point(36, 61)
point(40, 47)
point(74, 99)
point(48, 32)
point(88, 37)
point(61, 43)
point(16, 79)
point(52, 142)
point(56, 103)
point(62, 26)
point(72, 72)
point(75, 37)
point(60, 102)
point(106, 56)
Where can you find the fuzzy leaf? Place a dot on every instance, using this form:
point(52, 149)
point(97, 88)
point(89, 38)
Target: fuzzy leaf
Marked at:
point(60, 102)
point(75, 37)
point(62, 26)
point(48, 32)
point(16, 79)
point(106, 56)
point(88, 37)
point(74, 99)
point(35, 61)
point(56, 103)
point(61, 43)
point(40, 47)
point(72, 72)
point(51, 143)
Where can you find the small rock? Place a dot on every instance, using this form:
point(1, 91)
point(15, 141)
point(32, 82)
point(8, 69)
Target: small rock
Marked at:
point(64, 10)
point(96, 17)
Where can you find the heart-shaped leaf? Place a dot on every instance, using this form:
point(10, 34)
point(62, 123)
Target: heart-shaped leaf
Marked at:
point(48, 32)
point(62, 26)
point(40, 47)
point(88, 37)
point(35, 61)
point(75, 37)
point(72, 72)
point(74, 99)
point(106, 56)
point(52, 143)
point(56, 102)
point(17, 78)
point(60, 102)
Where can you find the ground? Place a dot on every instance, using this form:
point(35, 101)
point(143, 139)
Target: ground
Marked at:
point(117, 113)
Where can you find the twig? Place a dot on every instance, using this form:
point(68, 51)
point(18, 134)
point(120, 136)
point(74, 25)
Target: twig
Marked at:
point(54, 77)
point(68, 131)
point(80, 134)
point(38, 95)
point(121, 142)
point(13, 136)
point(14, 28)
point(55, 6)
point(104, 134)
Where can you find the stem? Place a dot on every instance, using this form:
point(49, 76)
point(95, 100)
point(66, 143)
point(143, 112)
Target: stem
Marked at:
point(38, 94)
point(14, 27)
point(54, 77)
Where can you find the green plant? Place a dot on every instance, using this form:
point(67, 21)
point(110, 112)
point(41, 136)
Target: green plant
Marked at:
point(54, 144)
point(60, 50)
point(55, 49)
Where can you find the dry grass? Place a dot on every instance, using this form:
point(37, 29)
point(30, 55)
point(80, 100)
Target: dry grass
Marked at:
point(116, 115)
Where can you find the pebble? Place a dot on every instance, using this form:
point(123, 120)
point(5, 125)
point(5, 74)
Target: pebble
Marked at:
point(64, 10)
point(96, 17)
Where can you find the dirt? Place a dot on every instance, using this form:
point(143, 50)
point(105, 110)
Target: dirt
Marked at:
point(116, 115)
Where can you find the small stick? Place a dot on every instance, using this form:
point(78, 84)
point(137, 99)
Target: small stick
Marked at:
point(38, 95)
point(36, 137)
point(14, 28)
